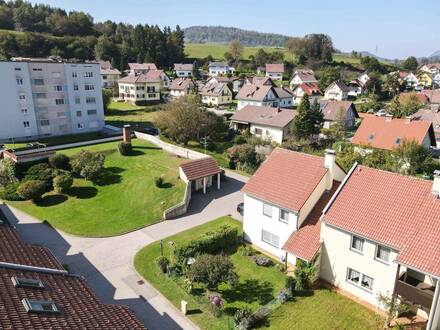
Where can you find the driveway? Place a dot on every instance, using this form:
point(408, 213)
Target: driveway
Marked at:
point(107, 263)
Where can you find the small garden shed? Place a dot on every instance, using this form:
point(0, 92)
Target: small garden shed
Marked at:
point(199, 173)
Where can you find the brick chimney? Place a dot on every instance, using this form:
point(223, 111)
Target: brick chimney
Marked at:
point(436, 183)
point(126, 133)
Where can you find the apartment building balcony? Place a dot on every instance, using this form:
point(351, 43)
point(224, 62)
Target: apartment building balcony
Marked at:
point(414, 290)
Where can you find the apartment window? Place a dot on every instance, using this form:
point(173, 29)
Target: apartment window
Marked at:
point(22, 97)
point(88, 87)
point(24, 111)
point(75, 87)
point(17, 69)
point(56, 75)
point(91, 112)
point(362, 280)
point(90, 100)
point(58, 88)
point(40, 95)
point(258, 131)
point(383, 253)
point(151, 89)
point(40, 306)
point(38, 82)
point(26, 124)
point(37, 69)
point(59, 101)
point(88, 74)
point(284, 216)
point(270, 238)
point(74, 74)
point(77, 100)
point(357, 243)
point(267, 210)
point(27, 283)
point(80, 126)
point(19, 81)
point(140, 88)
point(151, 96)
point(79, 114)
point(44, 122)
point(61, 114)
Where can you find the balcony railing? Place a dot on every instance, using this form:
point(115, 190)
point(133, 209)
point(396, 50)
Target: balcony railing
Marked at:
point(415, 291)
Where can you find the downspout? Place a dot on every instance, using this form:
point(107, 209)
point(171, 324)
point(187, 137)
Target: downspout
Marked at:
point(434, 306)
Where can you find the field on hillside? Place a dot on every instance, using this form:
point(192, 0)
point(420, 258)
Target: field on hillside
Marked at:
point(218, 50)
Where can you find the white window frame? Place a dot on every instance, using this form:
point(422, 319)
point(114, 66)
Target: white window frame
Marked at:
point(353, 237)
point(376, 254)
point(270, 242)
point(264, 210)
point(361, 277)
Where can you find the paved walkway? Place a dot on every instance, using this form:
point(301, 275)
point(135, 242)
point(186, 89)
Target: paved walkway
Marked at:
point(107, 263)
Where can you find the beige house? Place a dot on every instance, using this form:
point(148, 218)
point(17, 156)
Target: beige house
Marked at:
point(215, 94)
point(181, 87)
point(139, 89)
point(109, 75)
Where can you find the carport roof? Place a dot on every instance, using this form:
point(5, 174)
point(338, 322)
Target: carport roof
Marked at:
point(200, 168)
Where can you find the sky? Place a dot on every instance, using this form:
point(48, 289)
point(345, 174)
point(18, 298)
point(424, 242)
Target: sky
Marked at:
point(395, 28)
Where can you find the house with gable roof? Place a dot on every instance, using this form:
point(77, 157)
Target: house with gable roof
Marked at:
point(310, 89)
point(181, 87)
point(220, 69)
point(183, 70)
point(275, 71)
point(302, 76)
point(258, 95)
point(337, 91)
point(140, 68)
point(215, 94)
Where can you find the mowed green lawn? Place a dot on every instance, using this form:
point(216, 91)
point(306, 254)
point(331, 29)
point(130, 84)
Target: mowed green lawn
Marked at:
point(257, 285)
point(121, 113)
point(125, 199)
point(325, 309)
point(217, 51)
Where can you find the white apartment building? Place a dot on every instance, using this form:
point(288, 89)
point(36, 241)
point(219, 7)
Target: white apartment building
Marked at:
point(47, 97)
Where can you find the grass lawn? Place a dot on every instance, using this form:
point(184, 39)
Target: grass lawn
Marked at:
point(121, 113)
point(257, 285)
point(126, 198)
point(217, 51)
point(324, 310)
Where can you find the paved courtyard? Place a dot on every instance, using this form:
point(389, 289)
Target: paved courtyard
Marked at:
point(107, 263)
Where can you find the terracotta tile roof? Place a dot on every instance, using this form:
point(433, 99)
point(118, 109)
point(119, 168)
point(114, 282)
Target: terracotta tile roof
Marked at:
point(267, 116)
point(423, 98)
point(306, 76)
point(259, 81)
point(142, 66)
point(79, 308)
point(283, 93)
point(13, 250)
point(331, 109)
point(305, 242)
point(340, 84)
point(403, 74)
point(309, 88)
point(275, 68)
point(142, 78)
point(213, 89)
point(181, 84)
point(220, 79)
point(394, 210)
point(383, 132)
point(286, 178)
point(218, 64)
point(431, 114)
point(105, 65)
point(200, 168)
point(110, 71)
point(183, 67)
point(433, 95)
point(433, 66)
point(254, 92)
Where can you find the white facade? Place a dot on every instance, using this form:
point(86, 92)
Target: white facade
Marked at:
point(183, 73)
point(43, 98)
point(411, 80)
point(298, 94)
point(270, 100)
point(333, 92)
point(274, 134)
point(275, 75)
point(216, 70)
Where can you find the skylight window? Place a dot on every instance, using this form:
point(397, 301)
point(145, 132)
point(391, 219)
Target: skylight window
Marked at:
point(398, 140)
point(27, 283)
point(40, 306)
point(371, 137)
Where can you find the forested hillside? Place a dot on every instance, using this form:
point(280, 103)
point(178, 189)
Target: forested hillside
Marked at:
point(220, 34)
point(41, 31)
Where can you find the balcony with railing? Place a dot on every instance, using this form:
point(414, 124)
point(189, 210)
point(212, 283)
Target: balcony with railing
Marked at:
point(414, 290)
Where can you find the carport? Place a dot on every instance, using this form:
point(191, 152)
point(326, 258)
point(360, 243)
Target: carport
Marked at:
point(199, 173)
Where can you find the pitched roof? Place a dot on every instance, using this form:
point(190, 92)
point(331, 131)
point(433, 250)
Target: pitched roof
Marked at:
point(309, 88)
point(430, 114)
point(142, 66)
point(253, 92)
point(286, 178)
point(183, 67)
point(394, 210)
point(275, 68)
point(306, 75)
point(267, 116)
point(200, 168)
point(181, 84)
point(283, 93)
point(213, 89)
point(305, 242)
point(331, 109)
point(142, 78)
point(433, 66)
point(78, 306)
point(15, 251)
point(340, 84)
point(211, 64)
point(105, 65)
point(259, 81)
point(423, 98)
point(222, 79)
point(384, 132)
point(110, 71)
point(433, 95)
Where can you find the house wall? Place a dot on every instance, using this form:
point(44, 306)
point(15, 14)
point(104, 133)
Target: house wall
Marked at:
point(254, 221)
point(269, 133)
point(337, 256)
point(183, 73)
point(178, 93)
point(275, 75)
point(139, 92)
point(334, 93)
point(110, 80)
point(220, 70)
point(286, 102)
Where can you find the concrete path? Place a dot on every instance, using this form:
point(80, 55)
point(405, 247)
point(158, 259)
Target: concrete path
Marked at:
point(107, 263)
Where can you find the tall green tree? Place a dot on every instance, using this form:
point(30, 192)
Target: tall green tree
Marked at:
point(308, 120)
point(410, 64)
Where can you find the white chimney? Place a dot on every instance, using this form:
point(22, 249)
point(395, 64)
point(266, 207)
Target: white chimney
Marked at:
point(329, 159)
point(436, 183)
point(408, 119)
point(389, 117)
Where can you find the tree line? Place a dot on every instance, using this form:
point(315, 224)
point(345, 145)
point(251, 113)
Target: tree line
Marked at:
point(47, 31)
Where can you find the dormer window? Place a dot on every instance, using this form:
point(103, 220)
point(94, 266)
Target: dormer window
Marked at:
point(27, 283)
point(40, 306)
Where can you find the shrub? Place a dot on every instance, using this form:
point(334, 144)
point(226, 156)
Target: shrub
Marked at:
point(41, 172)
point(290, 284)
point(7, 171)
point(243, 319)
point(158, 181)
point(239, 139)
point(162, 262)
point(216, 304)
point(9, 192)
point(246, 251)
point(60, 161)
point(31, 190)
point(62, 182)
point(263, 261)
point(124, 148)
point(224, 238)
point(87, 164)
point(212, 270)
point(304, 273)
point(283, 296)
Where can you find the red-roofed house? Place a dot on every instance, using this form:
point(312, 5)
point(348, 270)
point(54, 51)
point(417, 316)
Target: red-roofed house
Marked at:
point(183, 70)
point(282, 194)
point(380, 234)
point(141, 68)
point(275, 71)
point(199, 173)
point(302, 76)
point(311, 89)
point(388, 133)
point(140, 89)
